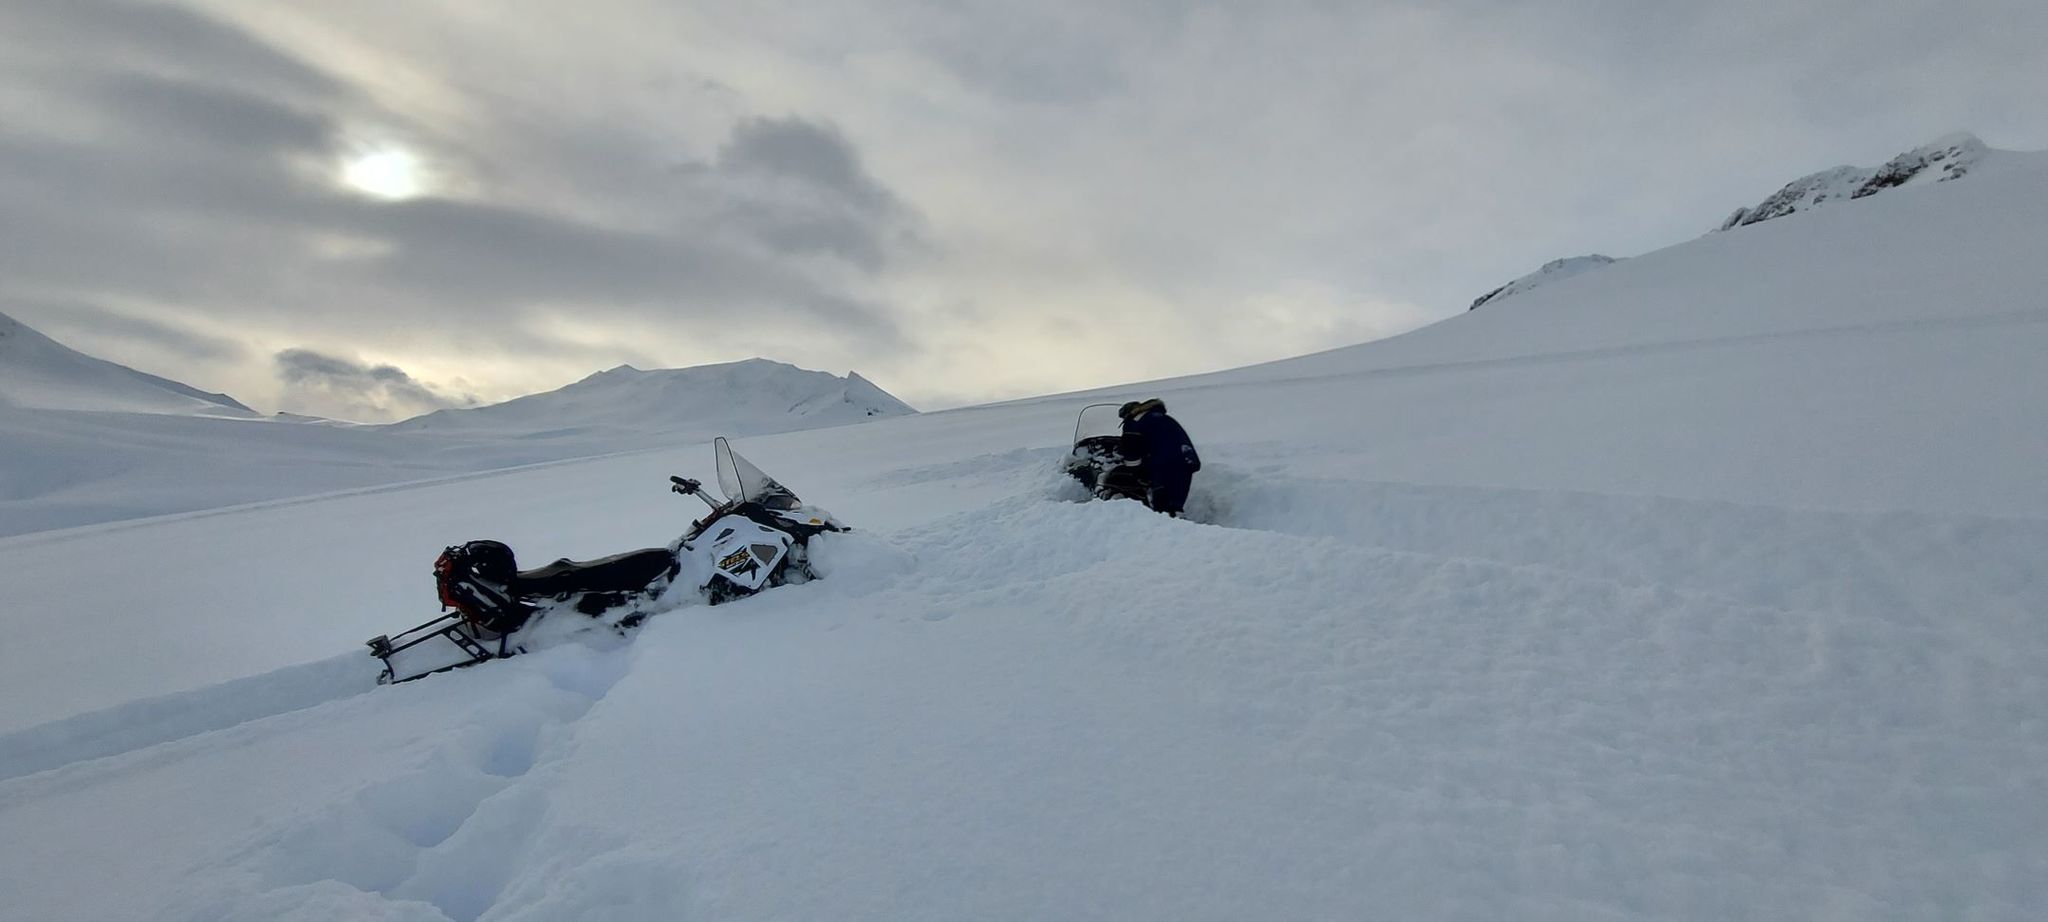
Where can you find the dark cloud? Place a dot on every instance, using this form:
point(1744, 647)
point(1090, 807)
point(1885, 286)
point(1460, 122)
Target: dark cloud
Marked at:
point(102, 330)
point(150, 109)
point(816, 155)
point(163, 37)
point(195, 165)
point(632, 181)
point(799, 187)
point(318, 384)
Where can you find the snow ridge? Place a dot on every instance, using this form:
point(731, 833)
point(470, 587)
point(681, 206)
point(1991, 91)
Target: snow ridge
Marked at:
point(39, 372)
point(1552, 271)
point(749, 397)
point(1949, 157)
point(1945, 158)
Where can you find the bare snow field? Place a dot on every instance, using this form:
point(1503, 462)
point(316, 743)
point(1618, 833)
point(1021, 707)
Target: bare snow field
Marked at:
point(1703, 585)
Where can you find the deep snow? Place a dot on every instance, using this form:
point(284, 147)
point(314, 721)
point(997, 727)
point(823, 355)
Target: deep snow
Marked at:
point(1705, 586)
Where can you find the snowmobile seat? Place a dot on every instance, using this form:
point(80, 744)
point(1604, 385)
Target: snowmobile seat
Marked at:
point(626, 572)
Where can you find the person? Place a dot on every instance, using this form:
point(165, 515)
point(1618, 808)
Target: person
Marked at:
point(1165, 454)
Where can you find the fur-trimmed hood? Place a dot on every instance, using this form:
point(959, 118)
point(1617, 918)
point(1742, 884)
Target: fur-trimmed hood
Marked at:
point(1142, 407)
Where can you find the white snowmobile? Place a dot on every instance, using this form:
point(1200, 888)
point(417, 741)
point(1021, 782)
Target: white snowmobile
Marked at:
point(1104, 459)
point(758, 537)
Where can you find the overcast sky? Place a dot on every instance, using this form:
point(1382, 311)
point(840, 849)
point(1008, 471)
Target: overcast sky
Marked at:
point(373, 208)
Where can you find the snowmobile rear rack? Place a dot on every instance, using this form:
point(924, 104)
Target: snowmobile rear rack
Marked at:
point(451, 626)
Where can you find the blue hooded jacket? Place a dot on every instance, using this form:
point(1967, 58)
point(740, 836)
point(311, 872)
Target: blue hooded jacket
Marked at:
point(1166, 453)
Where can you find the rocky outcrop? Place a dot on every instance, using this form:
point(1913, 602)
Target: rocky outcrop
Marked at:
point(1948, 158)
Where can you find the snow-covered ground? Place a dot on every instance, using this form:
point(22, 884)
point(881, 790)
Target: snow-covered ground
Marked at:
point(1704, 586)
point(87, 444)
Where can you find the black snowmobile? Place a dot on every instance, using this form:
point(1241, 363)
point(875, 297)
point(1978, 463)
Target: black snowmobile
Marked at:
point(1104, 459)
point(758, 537)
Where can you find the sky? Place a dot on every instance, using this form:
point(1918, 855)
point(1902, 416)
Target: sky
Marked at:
point(375, 209)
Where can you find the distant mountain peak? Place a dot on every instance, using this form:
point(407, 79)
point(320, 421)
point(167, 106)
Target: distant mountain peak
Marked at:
point(1951, 156)
point(745, 397)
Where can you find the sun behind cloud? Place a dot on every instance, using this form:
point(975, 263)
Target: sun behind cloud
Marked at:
point(391, 173)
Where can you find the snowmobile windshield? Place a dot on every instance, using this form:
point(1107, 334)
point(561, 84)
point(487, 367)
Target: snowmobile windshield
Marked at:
point(745, 483)
point(1098, 419)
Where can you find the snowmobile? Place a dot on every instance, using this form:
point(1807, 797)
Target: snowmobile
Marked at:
point(757, 538)
point(1104, 459)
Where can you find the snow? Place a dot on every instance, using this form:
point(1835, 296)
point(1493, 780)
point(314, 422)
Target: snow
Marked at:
point(1555, 270)
point(1948, 157)
point(66, 469)
point(1705, 586)
point(752, 397)
point(36, 371)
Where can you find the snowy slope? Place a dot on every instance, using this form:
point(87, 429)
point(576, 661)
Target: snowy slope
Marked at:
point(1552, 271)
point(1949, 157)
point(1943, 159)
point(1705, 586)
point(66, 469)
point(751, 397)
point(37, 371)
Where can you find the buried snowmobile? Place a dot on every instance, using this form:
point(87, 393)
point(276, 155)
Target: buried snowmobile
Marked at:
point(1104, 459)
point(757, 538)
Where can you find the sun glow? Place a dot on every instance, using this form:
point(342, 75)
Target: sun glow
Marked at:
point(390, 173)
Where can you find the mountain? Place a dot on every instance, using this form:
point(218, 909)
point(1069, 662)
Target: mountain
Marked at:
point(38, 372)
point(1949, 157)
point(1552, 271)
point(172, 450)
point(1705, 586)
point(750, 397)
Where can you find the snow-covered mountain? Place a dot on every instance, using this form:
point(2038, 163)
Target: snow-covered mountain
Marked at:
point(40, 373)
point(1552, 271)
point(66, 468)
point(1704, 586)
point(1949, 157)
point(750, 397)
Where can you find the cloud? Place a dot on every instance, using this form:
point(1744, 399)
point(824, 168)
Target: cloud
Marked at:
point(109, 333)
point(799, 187)
point(317, 384)
point(196, 165)
point(970, 200)
point(162, 37)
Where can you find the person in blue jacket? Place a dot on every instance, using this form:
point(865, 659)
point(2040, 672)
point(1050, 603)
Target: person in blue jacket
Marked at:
point(1165, 453)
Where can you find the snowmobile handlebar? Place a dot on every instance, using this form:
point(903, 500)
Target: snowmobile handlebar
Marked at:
point(688, 487)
